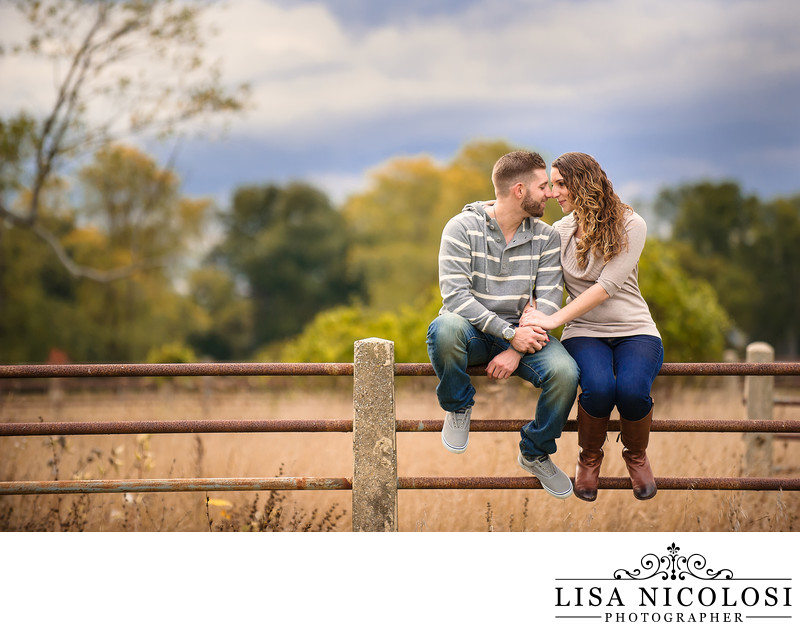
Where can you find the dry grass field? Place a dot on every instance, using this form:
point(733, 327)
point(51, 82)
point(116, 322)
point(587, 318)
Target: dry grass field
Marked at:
point(330, 455)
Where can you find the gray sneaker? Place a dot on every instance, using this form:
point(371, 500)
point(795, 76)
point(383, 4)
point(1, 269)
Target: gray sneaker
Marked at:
point(551, 476)
point(455, 432)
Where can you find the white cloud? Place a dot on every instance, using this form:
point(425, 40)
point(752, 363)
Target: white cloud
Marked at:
point(499, 68)
point(309, 71)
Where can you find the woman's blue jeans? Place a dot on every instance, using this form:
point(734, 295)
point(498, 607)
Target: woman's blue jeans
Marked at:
point(617, 371)
point(454, 344)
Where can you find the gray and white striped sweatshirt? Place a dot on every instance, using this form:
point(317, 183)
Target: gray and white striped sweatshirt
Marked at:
point(489, 282)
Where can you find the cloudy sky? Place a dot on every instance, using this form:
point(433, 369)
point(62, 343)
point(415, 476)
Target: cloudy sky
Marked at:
point(660, 92)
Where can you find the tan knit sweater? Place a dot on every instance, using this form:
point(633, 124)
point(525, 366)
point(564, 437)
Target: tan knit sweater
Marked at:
point(625, 312)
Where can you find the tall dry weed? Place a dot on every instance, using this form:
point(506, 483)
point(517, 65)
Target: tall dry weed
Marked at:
point(330, 455)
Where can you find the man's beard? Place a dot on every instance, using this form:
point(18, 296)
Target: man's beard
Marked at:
point(533, 208)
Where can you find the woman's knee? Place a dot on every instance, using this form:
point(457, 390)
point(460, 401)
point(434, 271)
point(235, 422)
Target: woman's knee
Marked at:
point(598, 394)
point(599, 405)
point(633, 395)
point(634, 405)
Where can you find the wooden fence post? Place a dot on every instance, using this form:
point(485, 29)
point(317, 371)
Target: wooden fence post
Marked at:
point(759, 391)
point(374, 438)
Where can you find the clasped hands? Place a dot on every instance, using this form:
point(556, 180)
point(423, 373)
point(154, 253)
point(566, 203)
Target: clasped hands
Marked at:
point(530, 337)
point(537, 319)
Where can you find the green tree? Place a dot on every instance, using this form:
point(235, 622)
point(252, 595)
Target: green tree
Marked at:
point(108, 56)
point(397, 222)
point(16, 146)
point(712, 225)
point(775, 268)
point(692, 323)
point(746, 249)
point(141, 218)
point(406, 326)
point(290, 246)
point(45, 306)
point(225, 329)
point(139, 207)
point(716, 219)
point(392, 228)
point(37, 292)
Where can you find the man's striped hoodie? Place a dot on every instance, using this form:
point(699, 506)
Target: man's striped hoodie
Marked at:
point(489, 282)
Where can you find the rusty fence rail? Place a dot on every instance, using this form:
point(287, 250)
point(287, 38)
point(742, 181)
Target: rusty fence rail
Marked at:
point(112, 370)
point(375, 482)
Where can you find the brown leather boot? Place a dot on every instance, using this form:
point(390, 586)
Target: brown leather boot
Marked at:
point(635, 438)
point(591, 437)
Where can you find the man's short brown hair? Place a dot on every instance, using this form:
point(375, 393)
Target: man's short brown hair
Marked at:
point(514, 167)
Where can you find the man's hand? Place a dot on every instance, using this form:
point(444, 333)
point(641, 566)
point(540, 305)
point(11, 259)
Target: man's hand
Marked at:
point(529, 339)
point(504, 364)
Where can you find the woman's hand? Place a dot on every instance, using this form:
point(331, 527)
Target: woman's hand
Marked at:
point(532, 317)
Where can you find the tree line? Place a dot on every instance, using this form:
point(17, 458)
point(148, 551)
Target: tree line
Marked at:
point(104, 258)
point(295, 278)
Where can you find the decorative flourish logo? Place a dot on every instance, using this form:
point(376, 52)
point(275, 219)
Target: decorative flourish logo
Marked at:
point(673, 567)
point(683, 589)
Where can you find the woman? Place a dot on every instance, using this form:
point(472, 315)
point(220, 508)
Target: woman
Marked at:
point(608, 328)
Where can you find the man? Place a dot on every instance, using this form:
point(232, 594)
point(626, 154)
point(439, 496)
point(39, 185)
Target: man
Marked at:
point(493, 261)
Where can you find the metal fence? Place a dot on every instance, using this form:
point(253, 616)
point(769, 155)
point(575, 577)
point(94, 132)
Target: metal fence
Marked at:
point(375, 482)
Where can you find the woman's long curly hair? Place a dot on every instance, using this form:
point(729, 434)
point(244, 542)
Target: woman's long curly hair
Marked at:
point(598, 209)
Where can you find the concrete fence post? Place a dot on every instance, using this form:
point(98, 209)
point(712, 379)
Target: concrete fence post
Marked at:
point(374, 441)
point(758, 391)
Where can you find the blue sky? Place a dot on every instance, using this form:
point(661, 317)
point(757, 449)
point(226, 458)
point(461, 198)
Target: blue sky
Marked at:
point(661, 93)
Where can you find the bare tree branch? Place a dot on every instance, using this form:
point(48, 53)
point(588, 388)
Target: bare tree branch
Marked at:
point(49, 144)
point(117, 31)
point(75, 269)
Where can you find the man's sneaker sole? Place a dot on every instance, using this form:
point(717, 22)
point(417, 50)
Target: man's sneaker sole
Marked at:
point(455, 449)
point(563, 495)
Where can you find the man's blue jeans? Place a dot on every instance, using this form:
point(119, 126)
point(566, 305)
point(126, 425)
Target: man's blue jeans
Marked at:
point(617, 371)
point(454, 344)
